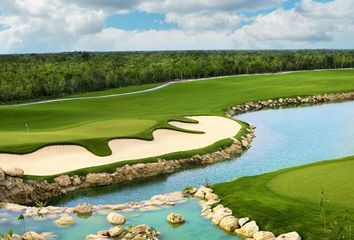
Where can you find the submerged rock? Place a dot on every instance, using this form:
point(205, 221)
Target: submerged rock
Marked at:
point(65, 220)
point(175, 218)
point(115, 218)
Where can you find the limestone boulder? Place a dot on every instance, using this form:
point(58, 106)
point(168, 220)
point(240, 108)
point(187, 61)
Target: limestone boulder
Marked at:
point(76, 181)
point(65, 220)
point(289, 236)
point(115, 231)
point(63, 180)
point(248, 230)
point(142, 228)
point(175, 218)
point(32, 236)
point(15, 172)
point(211, 196)
point(219, 214)
point(14, 237)
point(202, 191)
point(245, 143)
point(95, 237)
point(263, 235)
point(229, 223)
point(2, 175)
point(243, 221)
point(83, 208)
point(99, 179)
point(115, 218)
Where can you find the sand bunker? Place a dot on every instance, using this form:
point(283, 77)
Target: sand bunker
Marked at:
point(63, 158)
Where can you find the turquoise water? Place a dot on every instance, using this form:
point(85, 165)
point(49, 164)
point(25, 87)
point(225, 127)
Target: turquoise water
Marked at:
point(285, 138)
point(195, 227)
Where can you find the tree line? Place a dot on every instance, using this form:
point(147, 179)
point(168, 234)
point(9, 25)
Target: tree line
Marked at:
point(26, 77)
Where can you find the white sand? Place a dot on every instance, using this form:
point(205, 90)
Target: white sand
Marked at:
point(63, 158)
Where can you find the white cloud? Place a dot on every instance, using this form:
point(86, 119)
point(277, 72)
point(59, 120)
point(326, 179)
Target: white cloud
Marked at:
point(212, 21)
point(187, 6)
point(63, 25)
point(309, 24)
point(116, 39)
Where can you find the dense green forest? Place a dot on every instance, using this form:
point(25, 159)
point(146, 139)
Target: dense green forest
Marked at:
point(36, 76)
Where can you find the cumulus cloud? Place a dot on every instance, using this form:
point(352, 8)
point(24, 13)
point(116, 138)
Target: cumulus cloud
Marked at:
point(63, 25)
point(117, 39)
point(216, 21)
point(187, 6)
point(309, 24)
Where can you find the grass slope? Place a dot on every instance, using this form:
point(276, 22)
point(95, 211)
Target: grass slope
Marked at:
point(91, 123)
point(289, 199)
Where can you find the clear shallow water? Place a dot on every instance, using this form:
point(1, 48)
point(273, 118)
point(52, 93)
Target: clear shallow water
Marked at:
point(285, 138)
point(195, 227)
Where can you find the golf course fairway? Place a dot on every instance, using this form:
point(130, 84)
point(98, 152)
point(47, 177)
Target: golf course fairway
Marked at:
point(92, 123)
point(316, 200)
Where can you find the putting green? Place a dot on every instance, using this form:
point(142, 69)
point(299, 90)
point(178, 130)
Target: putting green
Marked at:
point(138, 115)
point(289, 199)
point(335, 179)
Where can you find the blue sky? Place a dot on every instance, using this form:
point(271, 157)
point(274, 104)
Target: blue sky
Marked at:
point(137, 20)
point(114, 25)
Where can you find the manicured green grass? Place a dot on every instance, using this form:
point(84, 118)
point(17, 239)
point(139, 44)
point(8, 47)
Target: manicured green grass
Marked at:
point(84, 122)
point(289, 199)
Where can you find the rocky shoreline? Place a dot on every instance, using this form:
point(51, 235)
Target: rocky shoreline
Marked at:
point(15, 189)
point(289, 102)
point(223, 217)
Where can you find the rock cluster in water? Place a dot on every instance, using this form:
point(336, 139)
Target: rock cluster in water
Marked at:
point(64, 216)
point(141, 232)
point(30, 236)
point(224, 218)
point(175, 218)
point(64, 213)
